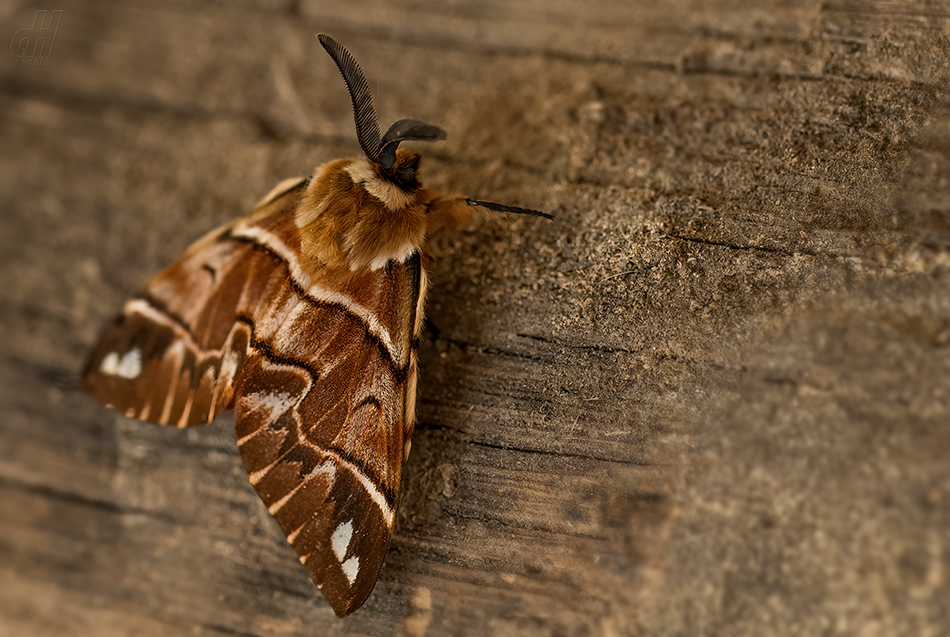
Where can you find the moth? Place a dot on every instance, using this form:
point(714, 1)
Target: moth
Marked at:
point(305, 318)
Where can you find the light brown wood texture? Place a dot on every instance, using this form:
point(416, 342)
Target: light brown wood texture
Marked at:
point(711, 397)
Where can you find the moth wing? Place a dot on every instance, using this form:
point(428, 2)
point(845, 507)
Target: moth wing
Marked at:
point(173, 354)
point(324, 412)
point(322, 375)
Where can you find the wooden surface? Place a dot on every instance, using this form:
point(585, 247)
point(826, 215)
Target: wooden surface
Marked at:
point(711, 397)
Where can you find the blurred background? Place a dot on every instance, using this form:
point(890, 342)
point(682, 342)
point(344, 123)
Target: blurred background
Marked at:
point(711, 397)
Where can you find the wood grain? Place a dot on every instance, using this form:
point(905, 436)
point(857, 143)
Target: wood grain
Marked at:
point(711, 397)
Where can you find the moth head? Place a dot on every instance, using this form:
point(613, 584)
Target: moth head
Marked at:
point(402, 171)
point(399, 168)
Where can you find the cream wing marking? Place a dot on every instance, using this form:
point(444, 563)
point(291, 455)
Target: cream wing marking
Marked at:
point(340, 539)
point(175, 353)
point(262, 237)
point(318, 293)
point(199, 369)
point(129, 365)
point(279, 190)
point(351, 568)
point(146, 309)
point(185, 340)
point(364, 314)
point(341, 543)
point(272, 404)
point(326, 470)
point(371, 489)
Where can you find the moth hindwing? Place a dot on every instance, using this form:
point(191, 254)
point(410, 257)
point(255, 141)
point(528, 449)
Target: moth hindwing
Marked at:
point(303, 317)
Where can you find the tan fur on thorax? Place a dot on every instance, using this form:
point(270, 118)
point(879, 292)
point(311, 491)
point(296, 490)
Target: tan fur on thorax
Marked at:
point(393, 197)
point(352, 217)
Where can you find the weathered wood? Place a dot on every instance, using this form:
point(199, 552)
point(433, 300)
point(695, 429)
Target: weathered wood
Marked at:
point(713, 396)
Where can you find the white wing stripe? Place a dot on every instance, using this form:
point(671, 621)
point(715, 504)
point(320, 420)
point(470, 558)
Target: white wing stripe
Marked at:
point(271, 242)
point(316, 292)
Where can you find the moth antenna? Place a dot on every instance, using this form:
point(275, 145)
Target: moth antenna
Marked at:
point(491, 205)
point(367, 124)
point(405, 130)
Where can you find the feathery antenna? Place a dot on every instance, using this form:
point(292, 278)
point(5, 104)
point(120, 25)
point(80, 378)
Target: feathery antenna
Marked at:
point(367, 124)
point(379, 151)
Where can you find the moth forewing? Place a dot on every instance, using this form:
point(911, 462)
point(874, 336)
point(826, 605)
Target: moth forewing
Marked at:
point(305, 317)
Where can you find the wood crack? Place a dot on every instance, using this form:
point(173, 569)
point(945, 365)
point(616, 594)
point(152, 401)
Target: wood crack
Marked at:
point(557, 454)
point(77, 498)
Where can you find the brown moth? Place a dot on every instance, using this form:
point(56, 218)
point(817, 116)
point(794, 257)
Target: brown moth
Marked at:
point(305, 318)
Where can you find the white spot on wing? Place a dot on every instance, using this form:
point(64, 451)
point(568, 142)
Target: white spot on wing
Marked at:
point(110, 364)
point(351, 568)
point(129, 365)
point(341, 540)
